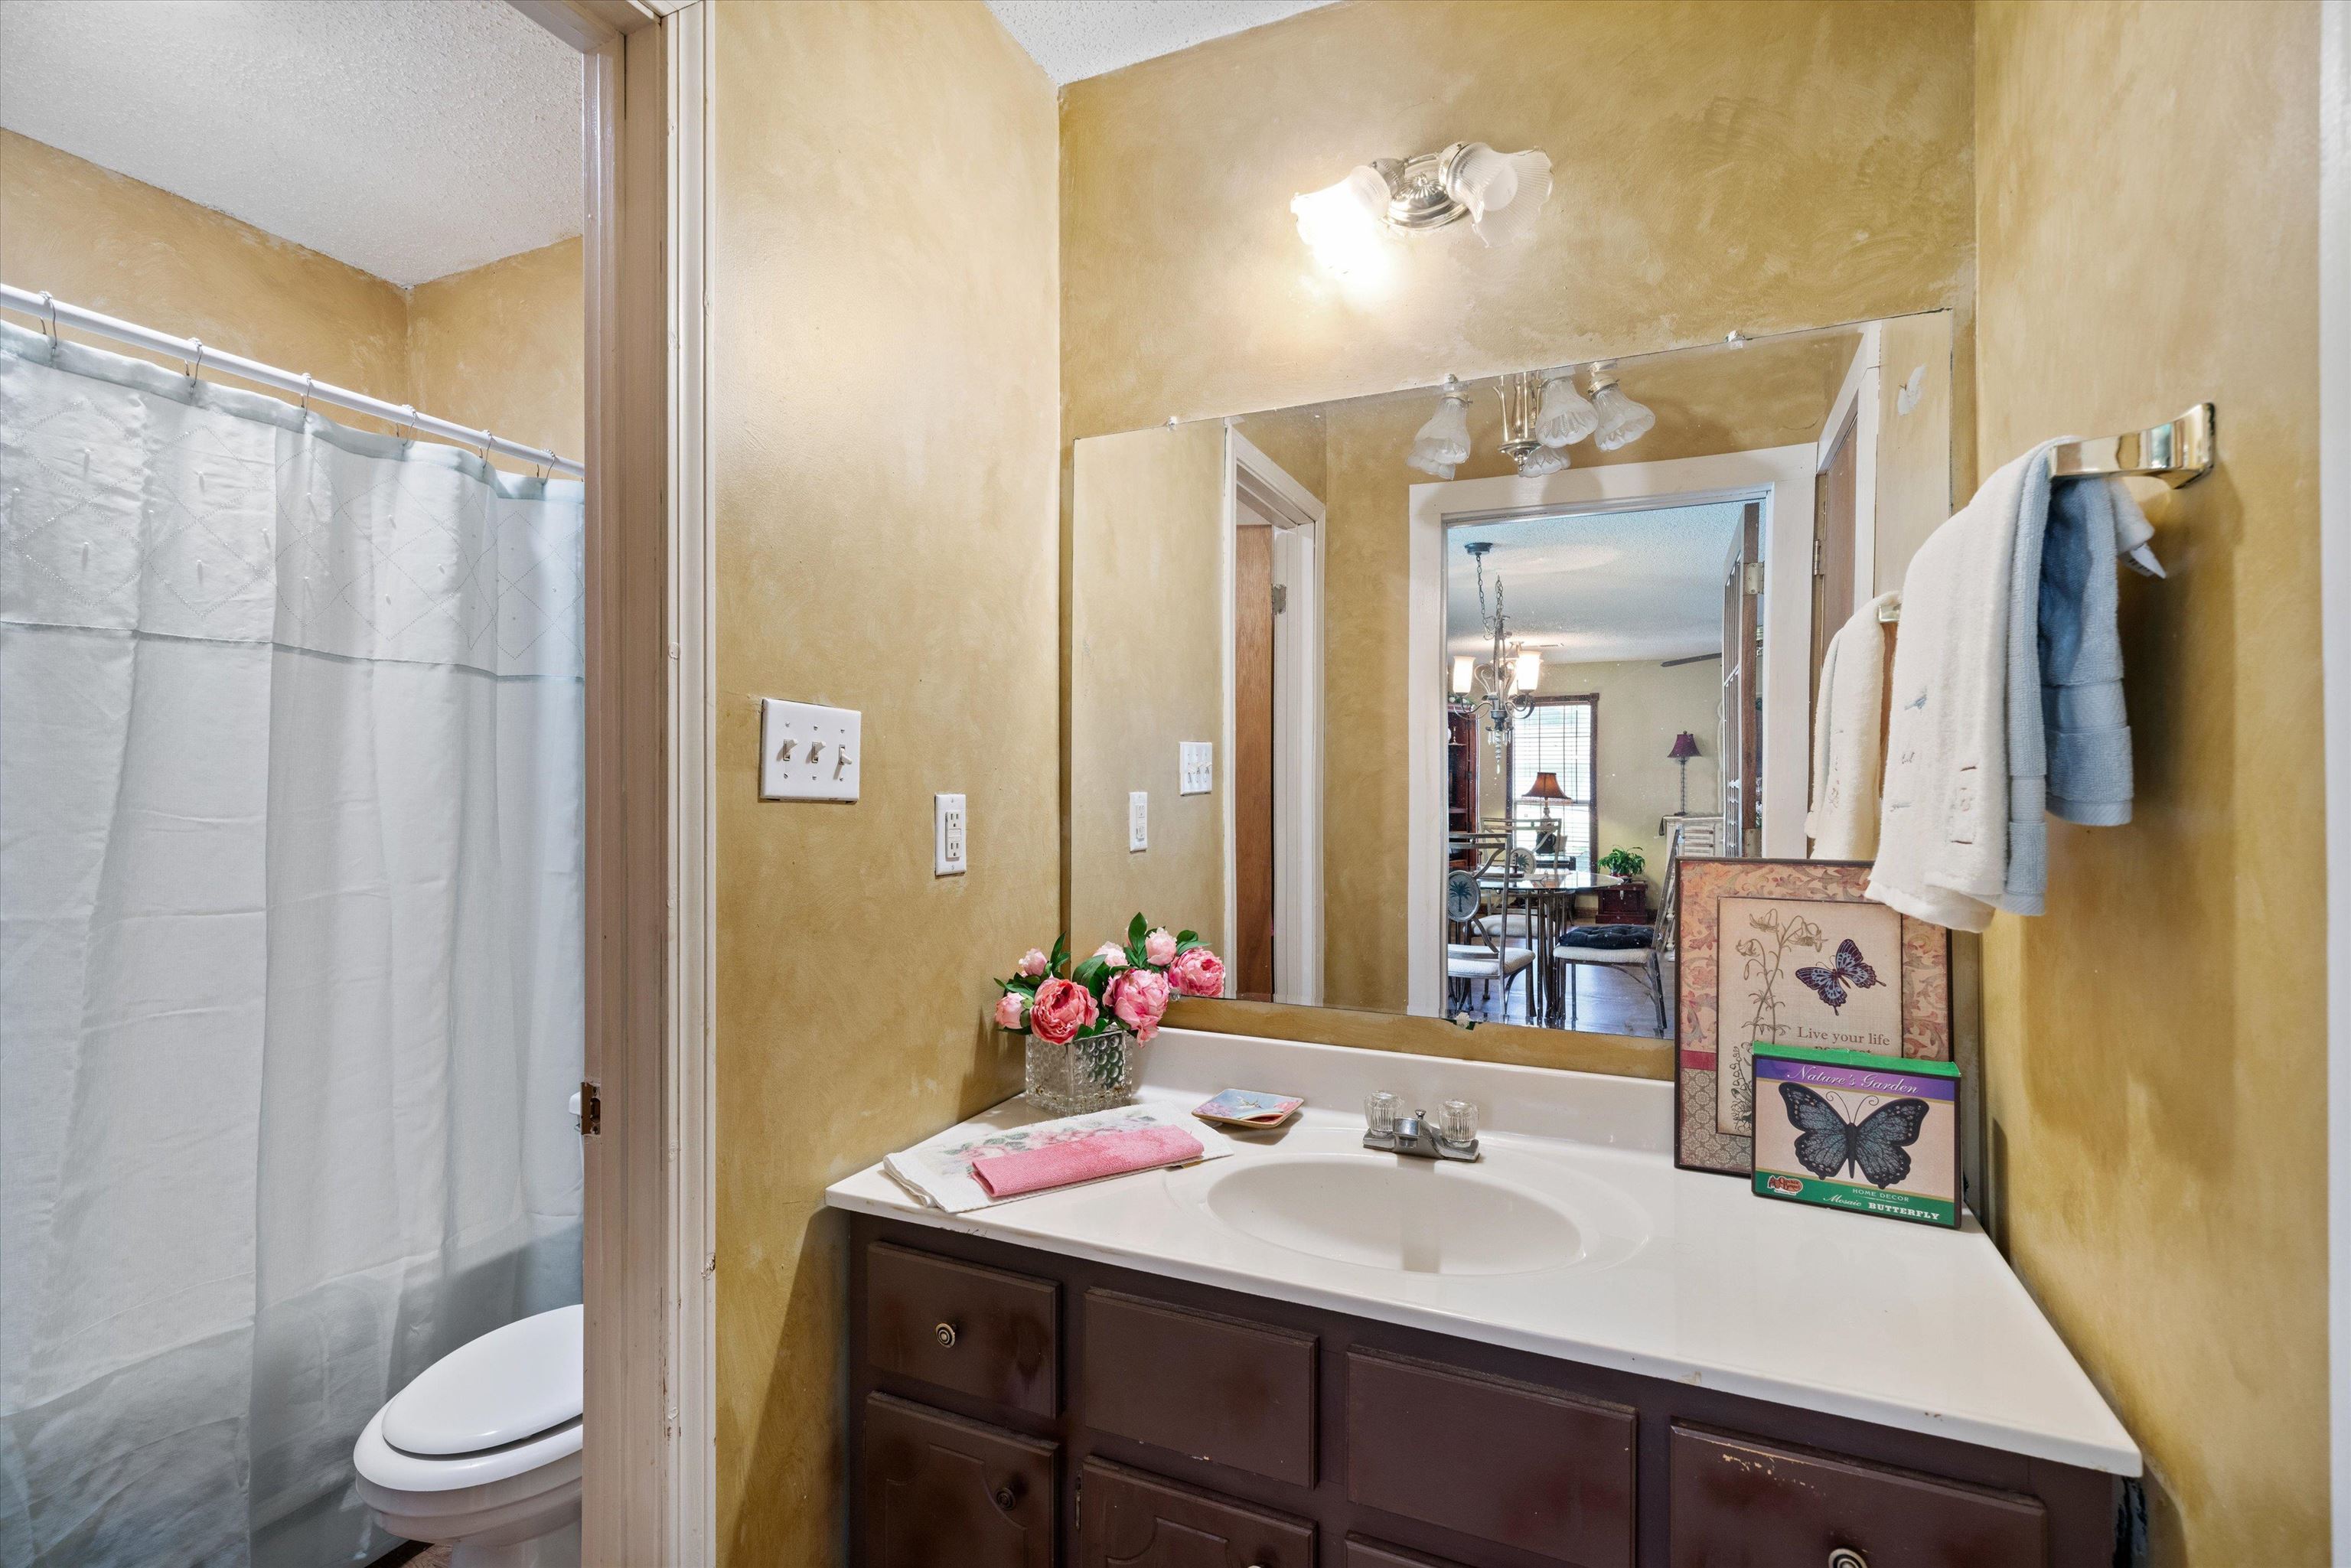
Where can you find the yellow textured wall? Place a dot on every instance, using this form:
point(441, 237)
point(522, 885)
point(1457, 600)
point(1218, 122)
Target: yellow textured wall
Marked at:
point(1759, 165)
point(883, 413)
point(2154, 1045)
point(1146, 631)
point(499, 345)
point(129, 249)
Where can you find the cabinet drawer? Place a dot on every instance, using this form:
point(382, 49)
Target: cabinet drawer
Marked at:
point(1129, 1519)
point(1503, 1461)
point(939, 1490)
point(980, 1331)
point(1210, 1387)
point(1734, 1502)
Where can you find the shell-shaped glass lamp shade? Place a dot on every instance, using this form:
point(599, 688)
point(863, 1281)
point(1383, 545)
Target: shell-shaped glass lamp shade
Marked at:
point(1567, 416)
point(1543, 460)
point(1503, 191)
point(1444, 441)
point(1622, 421)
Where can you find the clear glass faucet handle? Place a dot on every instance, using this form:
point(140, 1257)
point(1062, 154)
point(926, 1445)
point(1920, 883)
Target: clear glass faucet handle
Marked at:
point(1457, 1122)
point(1380, 1113)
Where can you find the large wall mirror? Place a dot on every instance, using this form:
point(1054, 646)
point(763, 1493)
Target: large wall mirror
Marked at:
point(1410, 703)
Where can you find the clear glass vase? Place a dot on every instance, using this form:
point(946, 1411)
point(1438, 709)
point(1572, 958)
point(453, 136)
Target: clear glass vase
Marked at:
point(1092, 1073)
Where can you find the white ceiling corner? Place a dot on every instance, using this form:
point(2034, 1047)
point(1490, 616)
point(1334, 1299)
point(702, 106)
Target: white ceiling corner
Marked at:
point(409, 138)
point(1073, 39)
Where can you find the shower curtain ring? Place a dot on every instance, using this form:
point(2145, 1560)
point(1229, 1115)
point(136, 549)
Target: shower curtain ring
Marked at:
point(489, 440)
point(305, 391)
point(197, 369)
point(407, 433)
point(49, 304)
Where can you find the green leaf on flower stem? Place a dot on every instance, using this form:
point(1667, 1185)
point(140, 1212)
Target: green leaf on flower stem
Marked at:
point(1092, 974)
point(1136, 930)
point(1186, 939)
point(1053, 966)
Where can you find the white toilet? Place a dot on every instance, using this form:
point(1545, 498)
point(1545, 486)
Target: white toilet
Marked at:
point(483, 1448)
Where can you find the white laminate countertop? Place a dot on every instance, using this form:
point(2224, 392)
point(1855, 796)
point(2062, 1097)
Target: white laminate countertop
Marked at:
point(1684, 1276)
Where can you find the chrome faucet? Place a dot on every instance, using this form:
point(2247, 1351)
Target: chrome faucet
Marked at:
point(1453, 1136)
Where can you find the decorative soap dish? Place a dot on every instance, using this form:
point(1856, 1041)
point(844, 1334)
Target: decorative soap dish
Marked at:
point(1248, 1108)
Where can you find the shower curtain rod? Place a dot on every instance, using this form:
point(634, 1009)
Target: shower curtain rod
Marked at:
point(54, 313)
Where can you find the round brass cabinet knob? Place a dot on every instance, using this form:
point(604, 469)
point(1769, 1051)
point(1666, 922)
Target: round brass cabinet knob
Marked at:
point(948, 1337)
point(1846, 1557)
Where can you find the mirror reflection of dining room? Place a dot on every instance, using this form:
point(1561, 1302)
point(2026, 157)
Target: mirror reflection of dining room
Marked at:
point(1590, 706)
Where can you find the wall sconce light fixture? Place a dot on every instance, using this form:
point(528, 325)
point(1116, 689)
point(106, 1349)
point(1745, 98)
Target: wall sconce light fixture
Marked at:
point(1499, 193)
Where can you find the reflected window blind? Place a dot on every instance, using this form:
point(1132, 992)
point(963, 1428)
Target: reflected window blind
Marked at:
point(1556, 737)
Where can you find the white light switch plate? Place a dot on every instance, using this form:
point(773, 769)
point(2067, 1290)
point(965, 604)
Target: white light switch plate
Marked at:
point(950, 836)
point(1138, 820)
point(809, 753)
point(1195, 767)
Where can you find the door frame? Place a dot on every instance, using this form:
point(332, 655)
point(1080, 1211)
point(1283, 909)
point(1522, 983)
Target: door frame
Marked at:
point(1858, 403)
point(2334, 601)
point(1269, 493)
point(1779, 477)
point(649, 1482)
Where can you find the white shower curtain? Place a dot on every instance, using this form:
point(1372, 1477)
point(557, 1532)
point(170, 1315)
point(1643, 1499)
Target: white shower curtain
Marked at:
point(290, 950)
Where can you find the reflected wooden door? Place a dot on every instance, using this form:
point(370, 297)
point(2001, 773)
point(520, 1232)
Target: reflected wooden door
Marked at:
point(1836, 503)
point(1253, 879)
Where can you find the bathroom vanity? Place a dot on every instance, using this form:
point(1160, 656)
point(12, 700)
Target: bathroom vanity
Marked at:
point(1311, 1353)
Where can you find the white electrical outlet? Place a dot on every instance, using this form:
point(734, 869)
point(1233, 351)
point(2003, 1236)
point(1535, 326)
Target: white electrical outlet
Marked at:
point(1195, 764)
point(809, 753)
point(1138, 820)
point(950, 835)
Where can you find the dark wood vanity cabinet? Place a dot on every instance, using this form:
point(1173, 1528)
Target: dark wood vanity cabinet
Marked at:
point(1021, 1409)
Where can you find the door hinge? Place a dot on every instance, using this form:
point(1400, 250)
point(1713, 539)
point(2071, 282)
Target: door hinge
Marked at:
point(1819, 566)
point(1753, 580)
point(592, 1110)
point(1280, 597)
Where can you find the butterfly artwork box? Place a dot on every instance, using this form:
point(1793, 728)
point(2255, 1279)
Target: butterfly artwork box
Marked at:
point(1852, 1130)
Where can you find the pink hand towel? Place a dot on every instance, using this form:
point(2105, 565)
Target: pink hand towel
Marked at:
point(1085, 1159)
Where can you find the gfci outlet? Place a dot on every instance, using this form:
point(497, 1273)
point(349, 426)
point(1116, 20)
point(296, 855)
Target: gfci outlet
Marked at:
point(950, 835)
point(1138, 820)
point(809, 753)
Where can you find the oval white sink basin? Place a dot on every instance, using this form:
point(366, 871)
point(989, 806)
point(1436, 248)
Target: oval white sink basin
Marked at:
point(1419, 1217)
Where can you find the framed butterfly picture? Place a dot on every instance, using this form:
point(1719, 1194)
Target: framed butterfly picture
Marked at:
point(1790, 953)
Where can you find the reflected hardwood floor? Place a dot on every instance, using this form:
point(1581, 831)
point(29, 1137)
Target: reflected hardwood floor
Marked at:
point(1606, 1002)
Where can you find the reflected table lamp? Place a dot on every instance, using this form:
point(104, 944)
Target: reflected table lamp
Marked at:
point(1546, 788)
point(1685, 747)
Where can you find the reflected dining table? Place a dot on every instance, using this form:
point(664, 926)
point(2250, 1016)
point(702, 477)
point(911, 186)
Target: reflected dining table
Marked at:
point(1549, 898)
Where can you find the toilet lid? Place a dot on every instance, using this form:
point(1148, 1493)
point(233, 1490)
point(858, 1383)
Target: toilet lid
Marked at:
point(511, 1384)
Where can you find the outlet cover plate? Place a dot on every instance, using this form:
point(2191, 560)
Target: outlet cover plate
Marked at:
point(808, 752)
point(950, 836)
point(1195, 767)
point(1138, 820)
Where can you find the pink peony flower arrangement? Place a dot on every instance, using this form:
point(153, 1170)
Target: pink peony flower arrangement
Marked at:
point(1123, 985)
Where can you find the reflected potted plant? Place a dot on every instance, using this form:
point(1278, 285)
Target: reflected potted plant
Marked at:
point(1082, 1020)
point(1624, 865)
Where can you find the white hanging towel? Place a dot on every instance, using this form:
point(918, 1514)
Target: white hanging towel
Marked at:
point(1847, 750)
point(1942, 848)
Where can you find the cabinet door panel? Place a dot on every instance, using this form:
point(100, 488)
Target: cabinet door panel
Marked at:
point(1130, 1519)
point(939, 1490)
point(1503, 1461)
point(1206, 1386)
point(1736, 1502)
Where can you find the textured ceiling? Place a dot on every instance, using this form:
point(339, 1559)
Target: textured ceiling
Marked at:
point(1601, 586)
point(409, 138)
point(1073, 39)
